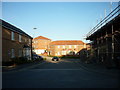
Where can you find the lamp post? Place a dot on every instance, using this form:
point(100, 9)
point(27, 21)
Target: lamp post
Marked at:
point(34, 32)
point(33, 38)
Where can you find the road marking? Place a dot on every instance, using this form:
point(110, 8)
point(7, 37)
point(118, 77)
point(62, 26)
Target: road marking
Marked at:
point(56, 69)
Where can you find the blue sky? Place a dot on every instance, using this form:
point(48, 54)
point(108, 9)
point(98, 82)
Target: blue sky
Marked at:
point(55, 20)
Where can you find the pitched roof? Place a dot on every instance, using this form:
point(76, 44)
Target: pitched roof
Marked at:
point(67, 42)
point(12, 28)
point(41, 37)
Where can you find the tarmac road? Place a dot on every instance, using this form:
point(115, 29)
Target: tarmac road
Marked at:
point(66, 73)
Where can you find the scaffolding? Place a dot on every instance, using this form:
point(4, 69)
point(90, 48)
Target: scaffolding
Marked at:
point(108, 18)
point(105, 37)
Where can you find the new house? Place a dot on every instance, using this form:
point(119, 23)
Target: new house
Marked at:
point(41, 45)
point(15, 42)
point(66, 47)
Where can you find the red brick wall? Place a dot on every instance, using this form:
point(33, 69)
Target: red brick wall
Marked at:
point(8, 44)
point(39, 44)
point(54, 49)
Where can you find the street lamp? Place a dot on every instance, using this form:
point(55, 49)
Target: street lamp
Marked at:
point(34, 31)
point(33, 37)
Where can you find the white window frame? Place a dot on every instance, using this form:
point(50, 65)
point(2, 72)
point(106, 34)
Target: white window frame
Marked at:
point(55, 53)
point(64, 47)
point(58, 46)
point(12, 36)
point(75, 52)
point(70, 46)
point(75, 46)
point(63, 52)
point(12, 53)
point(58, 53)
point(84, 45)
point(20, 38)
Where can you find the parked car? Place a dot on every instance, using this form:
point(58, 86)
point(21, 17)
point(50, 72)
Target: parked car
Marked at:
point(37, 57)
point(55, 59)
point(41, 58)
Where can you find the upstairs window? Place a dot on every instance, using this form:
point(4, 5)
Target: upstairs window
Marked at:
point(29, 41)
point(12, 36)
point(58, 46)
point(63, 46)
point(25, 39)
point(75, 46)
point(70, 46)
point(19, 38)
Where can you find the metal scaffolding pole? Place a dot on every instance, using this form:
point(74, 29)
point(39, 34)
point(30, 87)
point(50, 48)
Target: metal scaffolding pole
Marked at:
point(112, 43)
point(101, 45)
point(98, 48)
point(106, 44)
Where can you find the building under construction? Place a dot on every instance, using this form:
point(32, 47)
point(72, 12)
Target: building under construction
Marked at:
point(105, 39)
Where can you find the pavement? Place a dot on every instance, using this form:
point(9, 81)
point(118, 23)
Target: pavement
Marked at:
point(99, 68)
point(21, 67)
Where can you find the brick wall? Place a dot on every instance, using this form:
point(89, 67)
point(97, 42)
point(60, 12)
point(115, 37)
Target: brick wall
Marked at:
point(59, 50)
point(8, 44)
point(41, 44)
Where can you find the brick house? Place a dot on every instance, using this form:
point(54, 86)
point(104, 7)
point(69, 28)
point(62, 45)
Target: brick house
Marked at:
point(41, 45)
point(66, 47)
point(15, 42)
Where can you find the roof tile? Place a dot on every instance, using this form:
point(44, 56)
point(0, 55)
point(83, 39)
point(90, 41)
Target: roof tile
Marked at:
point(67, 42)
point(41, 37)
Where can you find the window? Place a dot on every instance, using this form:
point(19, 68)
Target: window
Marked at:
point(25, 40)
point(69, 46)
point(63, 52)
point(75, 46)
point(12, 36)
point(29, 41)
point(20, 52)
point(19, 38)
point(33, 41)
point(58, 46)
point(84, 45)
point(75, 52)
point(12, 53)
point(63, 46)
point(58, 53)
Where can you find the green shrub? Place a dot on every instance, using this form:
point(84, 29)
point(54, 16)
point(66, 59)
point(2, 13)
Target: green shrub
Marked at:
point(44, 59)
point(8, 63)
point(19, 60)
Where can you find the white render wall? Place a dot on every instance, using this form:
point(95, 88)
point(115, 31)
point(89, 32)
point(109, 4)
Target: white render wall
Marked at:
point(39, 51)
